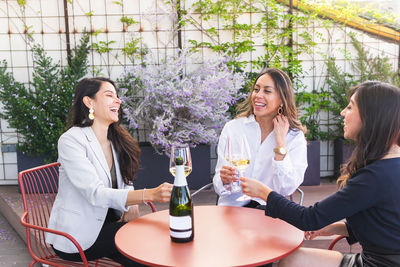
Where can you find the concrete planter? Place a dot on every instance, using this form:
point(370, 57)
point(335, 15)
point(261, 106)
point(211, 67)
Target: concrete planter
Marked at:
point(154, 168)
point(312, 175)
point(343, 152)
point(25, 162)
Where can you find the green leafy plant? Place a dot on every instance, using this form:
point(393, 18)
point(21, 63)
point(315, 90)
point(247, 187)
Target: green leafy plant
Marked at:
point(311, 104)
point(275, 27)
point(365, 67)
point(39, 112)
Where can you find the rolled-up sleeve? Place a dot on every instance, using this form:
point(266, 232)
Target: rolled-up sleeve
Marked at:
point(290, 171)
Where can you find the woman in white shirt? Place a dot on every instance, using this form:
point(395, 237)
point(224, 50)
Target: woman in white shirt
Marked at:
point(268, 119)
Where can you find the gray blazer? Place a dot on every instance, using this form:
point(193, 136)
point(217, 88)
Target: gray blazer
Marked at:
point(85, 192)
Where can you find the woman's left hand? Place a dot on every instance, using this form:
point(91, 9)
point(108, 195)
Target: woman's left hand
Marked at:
point(281, 128)
point(131, 214)
point(254, 188)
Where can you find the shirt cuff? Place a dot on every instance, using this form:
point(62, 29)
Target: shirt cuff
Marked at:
point(271, 209)
point(282, 167)
point(123, 198)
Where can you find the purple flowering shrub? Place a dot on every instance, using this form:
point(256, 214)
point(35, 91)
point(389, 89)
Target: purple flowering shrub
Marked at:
point(177, 105)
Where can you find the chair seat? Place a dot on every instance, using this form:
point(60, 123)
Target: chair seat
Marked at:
point(39, 188)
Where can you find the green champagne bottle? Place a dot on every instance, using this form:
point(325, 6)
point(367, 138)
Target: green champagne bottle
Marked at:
point(180, 207)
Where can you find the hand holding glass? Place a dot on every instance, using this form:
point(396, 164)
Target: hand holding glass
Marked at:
point(237, 154)
point(182, 151)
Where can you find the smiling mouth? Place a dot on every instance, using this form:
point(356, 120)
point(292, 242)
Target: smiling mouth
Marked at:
point(261, 105)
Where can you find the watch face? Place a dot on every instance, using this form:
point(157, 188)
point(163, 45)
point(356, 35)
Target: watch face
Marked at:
point(282, 150)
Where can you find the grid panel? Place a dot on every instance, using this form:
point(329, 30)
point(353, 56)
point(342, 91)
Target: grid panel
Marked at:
point(45, 23)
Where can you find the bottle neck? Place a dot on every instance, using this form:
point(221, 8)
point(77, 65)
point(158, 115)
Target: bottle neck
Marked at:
point(180, 178)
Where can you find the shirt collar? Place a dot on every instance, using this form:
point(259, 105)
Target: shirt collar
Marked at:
point(250, 119)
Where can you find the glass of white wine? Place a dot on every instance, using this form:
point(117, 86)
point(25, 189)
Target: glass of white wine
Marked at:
point(241, 158)
point(237, 154)
point(182, 151)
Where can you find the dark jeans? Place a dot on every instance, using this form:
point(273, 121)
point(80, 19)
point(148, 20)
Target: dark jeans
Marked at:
point(104, 246)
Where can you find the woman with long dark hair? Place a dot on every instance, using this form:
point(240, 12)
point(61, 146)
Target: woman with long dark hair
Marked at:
point(268, 120)
point(369, 195)
point(99, 160)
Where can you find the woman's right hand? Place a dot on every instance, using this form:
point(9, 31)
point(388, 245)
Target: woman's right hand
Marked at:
point(161, 193)
point(228, 174)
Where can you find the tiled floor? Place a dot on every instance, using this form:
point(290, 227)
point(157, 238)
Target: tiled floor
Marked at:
point(13, 251)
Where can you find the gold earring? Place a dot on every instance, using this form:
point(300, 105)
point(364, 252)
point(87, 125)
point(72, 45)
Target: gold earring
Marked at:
point(280, 110)
point(91, 114)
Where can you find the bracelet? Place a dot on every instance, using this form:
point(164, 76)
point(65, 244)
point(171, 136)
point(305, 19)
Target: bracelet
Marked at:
point(144, 190)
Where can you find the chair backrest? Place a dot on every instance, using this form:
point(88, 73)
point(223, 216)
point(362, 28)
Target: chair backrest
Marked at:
point(39, 188)
point(301, 196)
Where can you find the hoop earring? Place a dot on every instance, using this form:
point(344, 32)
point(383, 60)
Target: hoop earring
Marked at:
point(91, 114)
point(280, 110)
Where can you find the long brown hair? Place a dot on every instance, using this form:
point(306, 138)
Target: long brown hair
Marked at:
point(126, 147)
point(284, 86)
point(379, 107)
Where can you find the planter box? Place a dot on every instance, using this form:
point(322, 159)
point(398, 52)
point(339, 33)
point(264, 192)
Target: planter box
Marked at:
point(25, 162)
point(154, 168)
point(312, 175)
point(343, 152)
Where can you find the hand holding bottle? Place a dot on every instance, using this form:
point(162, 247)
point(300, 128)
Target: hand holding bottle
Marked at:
point(161, 193)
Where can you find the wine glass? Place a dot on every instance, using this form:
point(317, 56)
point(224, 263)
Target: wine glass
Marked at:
point(237, 154)
point(241, 158)
point(234, 186)
point(182, 151)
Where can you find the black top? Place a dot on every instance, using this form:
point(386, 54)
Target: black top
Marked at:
point(113, 214)
point(370, 202)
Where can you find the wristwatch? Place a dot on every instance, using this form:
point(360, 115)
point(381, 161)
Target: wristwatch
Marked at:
point(280, 150)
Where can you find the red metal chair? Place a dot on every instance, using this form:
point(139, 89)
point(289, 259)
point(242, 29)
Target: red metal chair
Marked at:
point(334, 241)
point(39, 188)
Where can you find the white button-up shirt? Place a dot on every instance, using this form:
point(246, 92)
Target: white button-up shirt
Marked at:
point(281, 176)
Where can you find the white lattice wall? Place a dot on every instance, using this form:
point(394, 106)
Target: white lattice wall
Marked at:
point(44, 20)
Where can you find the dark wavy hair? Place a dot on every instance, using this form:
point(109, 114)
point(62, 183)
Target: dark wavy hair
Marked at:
point(379, 107)
point(285, 89)
point(126, 147)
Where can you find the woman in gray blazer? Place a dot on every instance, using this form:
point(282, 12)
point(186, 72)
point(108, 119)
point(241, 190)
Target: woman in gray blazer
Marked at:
point(99, 161)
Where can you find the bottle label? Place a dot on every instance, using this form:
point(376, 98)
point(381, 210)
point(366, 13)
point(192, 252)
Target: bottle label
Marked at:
point(180, 227)
point(180, 177)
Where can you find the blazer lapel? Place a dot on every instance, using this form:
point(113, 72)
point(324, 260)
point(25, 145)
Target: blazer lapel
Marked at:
point(95, 145)
point(117, 169)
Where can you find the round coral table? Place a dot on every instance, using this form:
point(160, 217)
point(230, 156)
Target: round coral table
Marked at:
point(223, 236)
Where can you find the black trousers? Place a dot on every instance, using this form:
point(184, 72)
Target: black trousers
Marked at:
point(104, 246)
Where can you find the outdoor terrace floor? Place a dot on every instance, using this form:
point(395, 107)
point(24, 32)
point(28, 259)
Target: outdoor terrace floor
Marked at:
point(13, 251)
